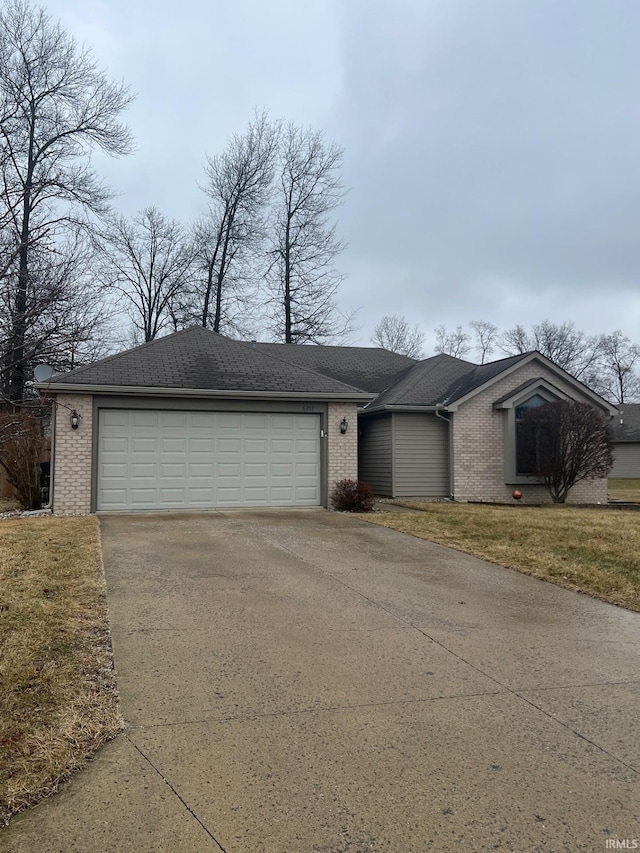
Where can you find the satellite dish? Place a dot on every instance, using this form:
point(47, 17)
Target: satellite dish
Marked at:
point(43, 372)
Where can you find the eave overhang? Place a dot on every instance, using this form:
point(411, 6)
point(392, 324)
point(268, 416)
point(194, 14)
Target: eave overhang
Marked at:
point(144, 391)
point(391, 407)
point(553, 368)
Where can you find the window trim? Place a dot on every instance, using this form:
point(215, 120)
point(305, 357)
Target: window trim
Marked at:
point(541, 388)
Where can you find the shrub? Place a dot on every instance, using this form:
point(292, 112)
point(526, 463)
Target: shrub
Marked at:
point(567, 442)
point(352, 496)
point(22, 441)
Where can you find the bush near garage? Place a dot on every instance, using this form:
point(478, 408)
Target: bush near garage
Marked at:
point(352, 496)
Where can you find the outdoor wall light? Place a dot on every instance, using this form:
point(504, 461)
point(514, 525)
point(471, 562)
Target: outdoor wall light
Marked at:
point(344, 425)
point(75, 420)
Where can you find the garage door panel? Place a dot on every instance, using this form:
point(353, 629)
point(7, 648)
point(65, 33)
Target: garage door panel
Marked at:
point(201, 469)
point(173, 445)
point(116, 418)
point(228, 469)
point(281, 469)
point(228, 422)
point(255, 494)
point(203, 497)
point(285, 493)
point(144, 445)
point(170, 460)
point(148, 497)
point(256, 469)
point(115, 445)
point(114, 498)
point(201, 445)
point(173, 469)
point(304, 422)
point(308, 470)
point(117, 470)
point(228, 496)
point(203, 420)
point(228, 445)
point(282, 422)
point(140, 470)
point(174, 420)
point(169, 496)
point(305, 494)
point(145, 419)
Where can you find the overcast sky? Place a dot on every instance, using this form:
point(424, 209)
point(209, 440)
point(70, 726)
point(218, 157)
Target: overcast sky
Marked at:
point(491, 148)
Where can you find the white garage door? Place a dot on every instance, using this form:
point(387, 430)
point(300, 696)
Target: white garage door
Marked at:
point(176, 460)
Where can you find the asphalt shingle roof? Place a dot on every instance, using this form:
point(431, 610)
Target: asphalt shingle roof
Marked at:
point(424, 384)
point(369, 368)
point(440, 380)
point(199, 359)
point(480, 374)
point(629, 429)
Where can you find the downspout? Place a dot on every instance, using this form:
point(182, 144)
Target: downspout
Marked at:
point(449, 421)
point(52, 454)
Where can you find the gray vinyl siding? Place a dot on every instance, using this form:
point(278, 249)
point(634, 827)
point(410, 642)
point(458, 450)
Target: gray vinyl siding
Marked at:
point(374, 454)
point(421, 455)
point(626, 460)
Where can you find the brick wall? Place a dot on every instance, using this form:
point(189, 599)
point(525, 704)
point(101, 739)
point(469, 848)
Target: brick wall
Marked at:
point(478, 448)
point(73, 453)
point(342, 449)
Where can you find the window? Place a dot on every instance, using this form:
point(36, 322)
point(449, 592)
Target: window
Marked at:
point(521, 445)
point(527, 437)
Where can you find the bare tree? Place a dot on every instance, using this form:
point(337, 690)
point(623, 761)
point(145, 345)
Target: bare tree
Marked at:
point(301, 279)
point(617, 379)
point(565, 442)
point(55, 107)
point(515, 341)
point(394, 333)
point(457, 343)
point(228, 238)
point(565, 345)
point(486, 335)
point(146, 263)
point(66, 322)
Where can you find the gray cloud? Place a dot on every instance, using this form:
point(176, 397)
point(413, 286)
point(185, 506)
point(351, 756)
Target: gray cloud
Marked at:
point(491, 148)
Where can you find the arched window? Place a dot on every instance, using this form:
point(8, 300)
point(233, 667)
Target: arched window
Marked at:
point(527, 436)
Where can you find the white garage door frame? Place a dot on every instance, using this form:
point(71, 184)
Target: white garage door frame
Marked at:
point(233, 455)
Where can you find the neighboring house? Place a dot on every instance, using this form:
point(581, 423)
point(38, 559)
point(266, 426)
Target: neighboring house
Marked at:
point(196, 420)
point(626, 432)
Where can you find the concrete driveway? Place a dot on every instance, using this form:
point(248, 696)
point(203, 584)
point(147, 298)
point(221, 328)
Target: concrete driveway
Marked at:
point(306, 682)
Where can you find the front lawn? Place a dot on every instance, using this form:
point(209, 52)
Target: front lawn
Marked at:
point(58, 702)
point(596, 551)
point(624, 490)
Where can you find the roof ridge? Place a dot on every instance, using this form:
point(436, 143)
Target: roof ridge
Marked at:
point(249, 345)
point(346, 347)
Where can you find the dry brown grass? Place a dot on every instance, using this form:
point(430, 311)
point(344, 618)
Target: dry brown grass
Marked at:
point(8, 505)
point(58, 702)
point(596, 551)
point(624, 490)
